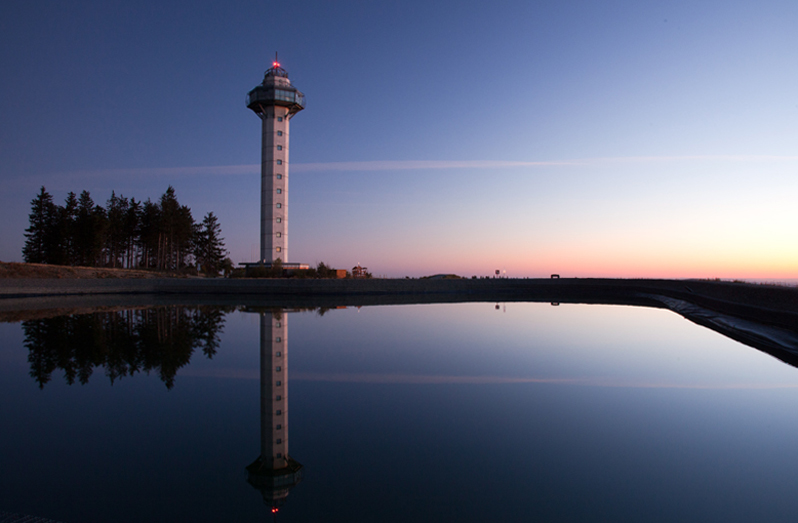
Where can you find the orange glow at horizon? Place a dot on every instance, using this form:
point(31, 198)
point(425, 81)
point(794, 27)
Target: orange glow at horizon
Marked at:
point(620, 260)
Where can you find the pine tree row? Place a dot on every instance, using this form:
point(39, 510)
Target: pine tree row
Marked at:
point(125, 233)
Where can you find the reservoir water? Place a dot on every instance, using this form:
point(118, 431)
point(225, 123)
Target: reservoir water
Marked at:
point(455, 412)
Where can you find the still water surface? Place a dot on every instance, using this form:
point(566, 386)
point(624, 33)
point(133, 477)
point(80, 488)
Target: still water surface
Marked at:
point(465, 412)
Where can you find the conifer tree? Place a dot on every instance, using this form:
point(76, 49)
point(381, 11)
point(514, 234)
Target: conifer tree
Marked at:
point(209, 250)
point(116, 239)
point(132, 232)
point(69, 230)
point(90, 227)
point(149, 234)
point(40, 235)
point(176, 232)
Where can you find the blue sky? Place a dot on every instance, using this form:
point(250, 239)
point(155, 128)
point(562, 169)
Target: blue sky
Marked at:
point(586, 138)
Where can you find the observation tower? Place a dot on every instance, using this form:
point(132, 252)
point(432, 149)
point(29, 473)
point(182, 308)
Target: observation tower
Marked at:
point(275, 101)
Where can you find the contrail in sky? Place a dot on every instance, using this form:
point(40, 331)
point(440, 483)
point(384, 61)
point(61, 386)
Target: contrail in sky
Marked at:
point(411, 165)
point(498, 164)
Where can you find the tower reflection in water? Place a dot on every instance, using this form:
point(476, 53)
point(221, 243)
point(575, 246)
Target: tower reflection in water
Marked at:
point(274, 473)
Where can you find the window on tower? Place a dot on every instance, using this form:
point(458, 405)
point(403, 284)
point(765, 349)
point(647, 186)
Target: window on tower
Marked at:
point(279, 133)
point(279, 118)
point(279, 162)
point(279, 191)
point(279, 176)
point(279, 235)
point(279, 249)
point(279, 205)
point(279, 220)
point(279, 147)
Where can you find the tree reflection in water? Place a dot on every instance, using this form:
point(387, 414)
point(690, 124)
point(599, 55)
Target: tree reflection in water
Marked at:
point(160, 339)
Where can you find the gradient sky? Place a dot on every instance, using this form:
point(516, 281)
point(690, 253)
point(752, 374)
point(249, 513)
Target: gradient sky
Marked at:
point(616, 138)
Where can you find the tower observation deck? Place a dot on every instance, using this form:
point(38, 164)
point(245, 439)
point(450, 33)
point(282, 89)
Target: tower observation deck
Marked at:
point(275, 101)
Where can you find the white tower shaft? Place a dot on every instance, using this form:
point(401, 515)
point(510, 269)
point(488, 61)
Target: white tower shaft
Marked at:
point(274, 185)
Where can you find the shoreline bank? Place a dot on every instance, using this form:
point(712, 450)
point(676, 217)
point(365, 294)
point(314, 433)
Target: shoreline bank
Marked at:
point(772, 304)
